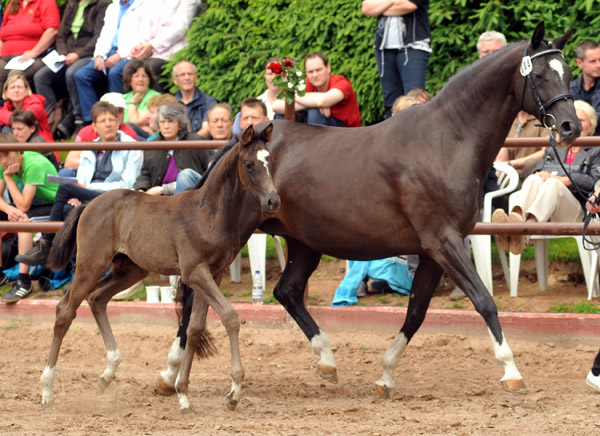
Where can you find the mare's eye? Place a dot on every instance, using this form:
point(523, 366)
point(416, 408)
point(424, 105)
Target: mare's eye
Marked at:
point(248, 165)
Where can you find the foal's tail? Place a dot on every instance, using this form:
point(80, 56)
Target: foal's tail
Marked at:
point(185, 300)
point(65, 241)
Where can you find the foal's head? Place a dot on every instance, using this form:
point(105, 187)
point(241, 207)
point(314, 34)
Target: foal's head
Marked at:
point(255, 167)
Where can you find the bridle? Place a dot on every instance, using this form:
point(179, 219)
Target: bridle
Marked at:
point(525, 70)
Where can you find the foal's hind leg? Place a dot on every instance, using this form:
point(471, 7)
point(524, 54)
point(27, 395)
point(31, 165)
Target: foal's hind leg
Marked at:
point(302, 261)
point(426, 278)
point(66, 310)
point(454, 260)
point(124, 273)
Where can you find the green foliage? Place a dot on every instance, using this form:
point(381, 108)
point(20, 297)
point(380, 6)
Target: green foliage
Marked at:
point(582, 307)
point(231, 41)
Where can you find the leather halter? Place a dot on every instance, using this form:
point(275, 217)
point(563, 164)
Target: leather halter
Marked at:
point(526, 69)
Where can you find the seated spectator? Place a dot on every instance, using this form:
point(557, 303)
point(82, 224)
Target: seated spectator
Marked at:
point(137, 83)
point(28, 29)
point(89, 133)
point(403, 102)
point(164, 33)
point(161, 168)
point(197, 102)
point(153, 104)
point(17, 95)
point(521, 158)
point(24, 176)
point(25, 128)
point(79, 29)
point(420, 95)
point(329, 100)
point(220, 126)
point(123, 24)
point(99, 171)
point(548, 193)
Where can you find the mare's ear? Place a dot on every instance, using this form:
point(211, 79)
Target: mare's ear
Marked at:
point(561, 41)
point(247, 136)
point(538, 35)
point(267, 133)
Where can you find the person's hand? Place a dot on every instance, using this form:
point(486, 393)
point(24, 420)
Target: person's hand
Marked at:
point(112, 60)
point(71, 58)
point(591, 205)
point(29, 54)
point(12, 169)
point(325, 111)
point(545, 175)
point(137, 97)
point(15, 214)
point(99, 64)
point(75, 202)
point(155, 190)
point(142, 51)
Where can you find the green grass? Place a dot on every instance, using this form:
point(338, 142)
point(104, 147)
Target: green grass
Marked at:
point(582, 307)
point(561, 249)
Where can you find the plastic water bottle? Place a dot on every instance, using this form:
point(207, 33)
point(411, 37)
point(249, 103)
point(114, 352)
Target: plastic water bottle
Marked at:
point(257, 288)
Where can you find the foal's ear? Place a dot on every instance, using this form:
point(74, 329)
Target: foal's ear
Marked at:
point(267, 133)
point(247, 135)
point(538, 35)
point(561, 41)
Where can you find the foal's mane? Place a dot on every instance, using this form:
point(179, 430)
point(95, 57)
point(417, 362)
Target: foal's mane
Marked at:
point(216, 158)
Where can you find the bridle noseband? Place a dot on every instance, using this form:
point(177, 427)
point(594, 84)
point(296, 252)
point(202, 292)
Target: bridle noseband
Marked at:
point(526, 69)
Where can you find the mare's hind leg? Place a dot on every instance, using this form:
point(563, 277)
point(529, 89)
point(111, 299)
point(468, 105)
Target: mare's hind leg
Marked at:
point(302, 261)
point(124, 273)
point(207, 292)
point(66, 311)
point(454, 260)
point(426, 278)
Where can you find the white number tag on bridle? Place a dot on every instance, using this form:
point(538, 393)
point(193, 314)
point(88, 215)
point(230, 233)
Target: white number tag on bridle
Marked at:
point(526, 66)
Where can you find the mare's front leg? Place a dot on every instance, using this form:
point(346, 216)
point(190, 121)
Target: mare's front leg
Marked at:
point(301, 263)
point(208, 292)
point(453, 258)
point(426, 278)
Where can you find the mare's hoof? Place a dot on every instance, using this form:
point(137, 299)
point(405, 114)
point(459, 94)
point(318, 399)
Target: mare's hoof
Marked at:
point(187, 412)
point(385, 392)
point(231, 404)
point(514, 386)
point(329, 373)
point(102, 384)
point(164, 389)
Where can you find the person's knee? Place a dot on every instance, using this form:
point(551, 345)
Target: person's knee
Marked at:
point(314, 116)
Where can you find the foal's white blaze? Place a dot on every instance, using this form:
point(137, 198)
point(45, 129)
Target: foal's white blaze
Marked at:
point(262, 156)
point(390, 360)
point(174, 362)
point(557, 66)
point(113, 359)
point(504, 356)
point(322, 347)
point(47, 380)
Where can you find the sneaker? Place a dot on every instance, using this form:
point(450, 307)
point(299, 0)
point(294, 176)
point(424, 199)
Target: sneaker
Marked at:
point(382, 286)
point(502, 241)
point(362, 290)
point(593, 381)
point(3, 279)
point(18, 292)
point(37, 255)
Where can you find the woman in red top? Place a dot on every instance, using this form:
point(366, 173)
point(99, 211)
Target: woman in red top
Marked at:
point(29, 28)
point(17, 95)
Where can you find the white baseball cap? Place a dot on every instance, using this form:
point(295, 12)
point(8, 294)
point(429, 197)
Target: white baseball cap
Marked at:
point(114, 98)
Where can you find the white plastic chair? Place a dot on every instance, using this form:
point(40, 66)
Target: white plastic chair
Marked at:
point(508, 180)
point(589, 261)
point(257, 252)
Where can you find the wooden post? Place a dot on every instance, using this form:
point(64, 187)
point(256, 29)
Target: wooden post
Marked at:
point(290, 111)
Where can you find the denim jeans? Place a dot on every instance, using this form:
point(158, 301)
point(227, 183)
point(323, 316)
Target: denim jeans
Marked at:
point(186, 179)
point(316, 117)
point(92, 84)
point(397, 78)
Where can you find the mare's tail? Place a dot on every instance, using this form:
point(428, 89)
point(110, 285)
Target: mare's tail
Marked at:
point(185, 300)
point(65, 241)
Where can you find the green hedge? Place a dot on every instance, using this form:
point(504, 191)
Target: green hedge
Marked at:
point(232, 39)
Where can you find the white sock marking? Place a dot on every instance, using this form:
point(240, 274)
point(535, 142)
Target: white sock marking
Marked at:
point(322, 347)
point(504, 356)
point(47, 380)
point(390, 360)
point(174, 362)
point(114, 359)
point(262, 156)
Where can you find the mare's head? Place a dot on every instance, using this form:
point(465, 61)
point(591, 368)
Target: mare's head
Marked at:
point(543, 85)
point(255, 167)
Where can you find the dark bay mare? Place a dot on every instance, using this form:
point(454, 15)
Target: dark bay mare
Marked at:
point(380, 191)
point(194, 234)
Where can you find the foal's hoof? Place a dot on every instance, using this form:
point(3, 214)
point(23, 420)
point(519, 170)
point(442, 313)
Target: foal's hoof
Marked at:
point(385, 392)
point(102, 384)
point(231, 404)
point(515, 386)
point(162, 388)
point(329, 373)
point(48, 405)
point(187, 412)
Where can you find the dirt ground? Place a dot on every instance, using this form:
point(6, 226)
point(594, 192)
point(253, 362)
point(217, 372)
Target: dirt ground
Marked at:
point(448, 384)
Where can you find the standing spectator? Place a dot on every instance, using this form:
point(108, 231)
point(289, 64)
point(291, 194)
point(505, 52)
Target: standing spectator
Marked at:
point(330, 100)
point(164, 33)
point(197, 102)
point(17, 95)
point(29, 28)
point(77, 35)
point(402, 45)
point(99, 171)
point(123, 24)
point(24, 175)
point(587, 87)
point(490, 41)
